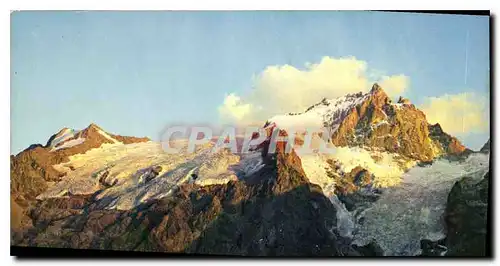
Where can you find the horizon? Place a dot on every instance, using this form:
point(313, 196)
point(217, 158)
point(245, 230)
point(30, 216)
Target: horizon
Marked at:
point(132, 73)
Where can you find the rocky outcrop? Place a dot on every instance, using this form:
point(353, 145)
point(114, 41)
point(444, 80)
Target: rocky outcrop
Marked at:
point(402, 129)
point(486, 147)
point(466, 218)
point(402, 100)
point(446, 143)
point(129, 140)
point(351, 187)
point(433, 248)
point(18, 218)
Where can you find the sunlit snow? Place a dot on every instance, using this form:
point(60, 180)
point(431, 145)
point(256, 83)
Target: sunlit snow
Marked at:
point(104, 134)
point(64, 135)
point(328, 112)
point(69, 144)
point(124, 167)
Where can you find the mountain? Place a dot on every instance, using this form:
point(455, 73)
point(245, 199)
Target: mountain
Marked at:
point(32, 169)
point(95, 190)
point(90, 137)
point(370, 132)
point(373, 121)
point(239, 218)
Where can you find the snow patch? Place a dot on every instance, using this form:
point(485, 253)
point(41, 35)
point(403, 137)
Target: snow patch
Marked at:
point(69, 144)
point(104, 134)
point(386, 168)
point(314, 166)
point(66, 134)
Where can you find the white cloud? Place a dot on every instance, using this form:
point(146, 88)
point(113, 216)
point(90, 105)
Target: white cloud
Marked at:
point(283, 89)
point(394, 85)
point(233, 109)
point(461, 113)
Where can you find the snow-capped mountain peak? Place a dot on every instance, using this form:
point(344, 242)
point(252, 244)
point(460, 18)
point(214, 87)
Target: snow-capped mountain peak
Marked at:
point(92, 134)
point(327, 112)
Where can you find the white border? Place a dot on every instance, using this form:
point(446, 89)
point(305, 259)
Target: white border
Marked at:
point(8, 6)
point(246, 5)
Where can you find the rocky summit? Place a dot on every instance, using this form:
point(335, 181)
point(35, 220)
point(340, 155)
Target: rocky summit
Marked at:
point(373, 121)
point(381, 192)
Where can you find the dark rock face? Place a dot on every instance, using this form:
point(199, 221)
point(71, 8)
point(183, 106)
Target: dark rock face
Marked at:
point(372, 249)
point(278, 213)
point(466, 218)
point(403, 100)
point(450, 145)
point(486, 147)
point(433, 248)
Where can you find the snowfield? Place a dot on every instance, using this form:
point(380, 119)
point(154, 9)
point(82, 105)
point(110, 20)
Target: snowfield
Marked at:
point(120, 172)
point(104, 134)
point(412, 211)
point(388, 168)
point(329, 112)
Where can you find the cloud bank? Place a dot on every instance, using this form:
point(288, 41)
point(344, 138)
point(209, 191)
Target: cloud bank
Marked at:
point(234, 108)
point(394, 85)
point(283, 88)
point(461, 113)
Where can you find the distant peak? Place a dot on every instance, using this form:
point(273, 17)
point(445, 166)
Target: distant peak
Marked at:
point(63, 131)
point(93, 126)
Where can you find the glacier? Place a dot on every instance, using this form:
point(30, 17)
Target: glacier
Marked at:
point(413, 210)
point(118, 173)
point(411, 204)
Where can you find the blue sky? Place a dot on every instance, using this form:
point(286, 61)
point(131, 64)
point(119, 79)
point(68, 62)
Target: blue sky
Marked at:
point(134, 72)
